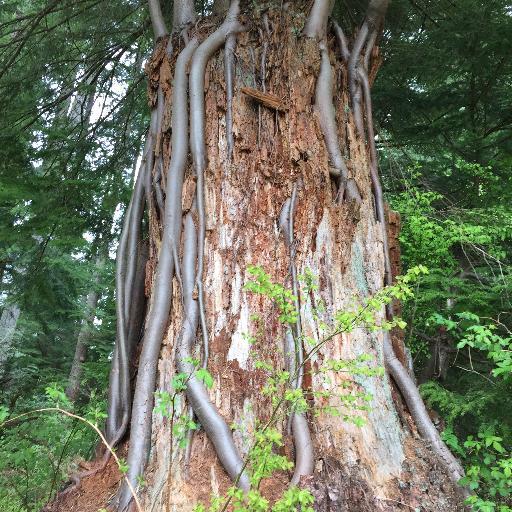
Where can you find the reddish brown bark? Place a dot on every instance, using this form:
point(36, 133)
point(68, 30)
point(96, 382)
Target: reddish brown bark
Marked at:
point(341, 244)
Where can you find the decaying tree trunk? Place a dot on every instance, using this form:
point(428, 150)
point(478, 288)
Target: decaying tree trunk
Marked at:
point(283, 175)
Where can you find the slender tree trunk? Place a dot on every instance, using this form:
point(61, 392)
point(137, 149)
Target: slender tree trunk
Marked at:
point(8, 321)
point(295, 192)
point(84, 335)
point(80, 115)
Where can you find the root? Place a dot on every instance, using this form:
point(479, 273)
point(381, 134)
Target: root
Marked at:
point(136, 212)
point(140, 436)
point(229, 68)
point(126, 266)
point(358, 80)
point(416, 407)
point(342, 41)
point(114, 426)
point(157, 19)
point(157, 186)
point(149, 158)
point(197, 142)
point(214, 425)
point(353, 82)
point(304, 455)
point(138, 299)
point(76, 479)
point(374, 174)
point(183, 14)
point(294, 356)
point(368, 32)
point(326, 113)
point(376, 11)
point(369, 47)
point(316, 24)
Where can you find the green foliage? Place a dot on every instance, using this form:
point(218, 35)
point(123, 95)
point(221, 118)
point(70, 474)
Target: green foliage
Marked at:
point(469, 272)
point(63, 175)
point(169, 404)
point(486, 453)
point(39, 451)
point(483, 337)
point(262, 459)
point(283, 298)
point(445, 162)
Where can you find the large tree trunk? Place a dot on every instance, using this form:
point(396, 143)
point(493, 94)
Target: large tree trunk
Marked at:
point(282, 170)
point(371, 467)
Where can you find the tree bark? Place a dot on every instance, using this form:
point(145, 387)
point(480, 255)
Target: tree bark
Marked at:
point(84, 335)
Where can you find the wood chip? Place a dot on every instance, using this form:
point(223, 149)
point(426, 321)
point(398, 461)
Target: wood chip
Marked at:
point(269, 100)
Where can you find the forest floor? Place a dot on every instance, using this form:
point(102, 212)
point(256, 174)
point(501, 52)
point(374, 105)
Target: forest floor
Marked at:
point(93, 493)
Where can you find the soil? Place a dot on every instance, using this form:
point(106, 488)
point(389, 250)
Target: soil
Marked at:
point(93, 493)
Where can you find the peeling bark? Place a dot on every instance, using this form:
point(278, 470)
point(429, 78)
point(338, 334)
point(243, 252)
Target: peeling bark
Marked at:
point(326, 237)
point(229, 70)
point(294, 355)
point(197, 142)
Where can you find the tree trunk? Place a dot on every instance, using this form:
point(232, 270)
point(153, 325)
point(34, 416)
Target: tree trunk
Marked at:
point(373, 467)
point(8, 322)
point(287, 199)
point(84, 335)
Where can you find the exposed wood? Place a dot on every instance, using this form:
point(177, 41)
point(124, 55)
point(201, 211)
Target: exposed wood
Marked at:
point(265, 98)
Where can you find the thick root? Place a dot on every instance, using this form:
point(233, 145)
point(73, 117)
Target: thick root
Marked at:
point(142, 410)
